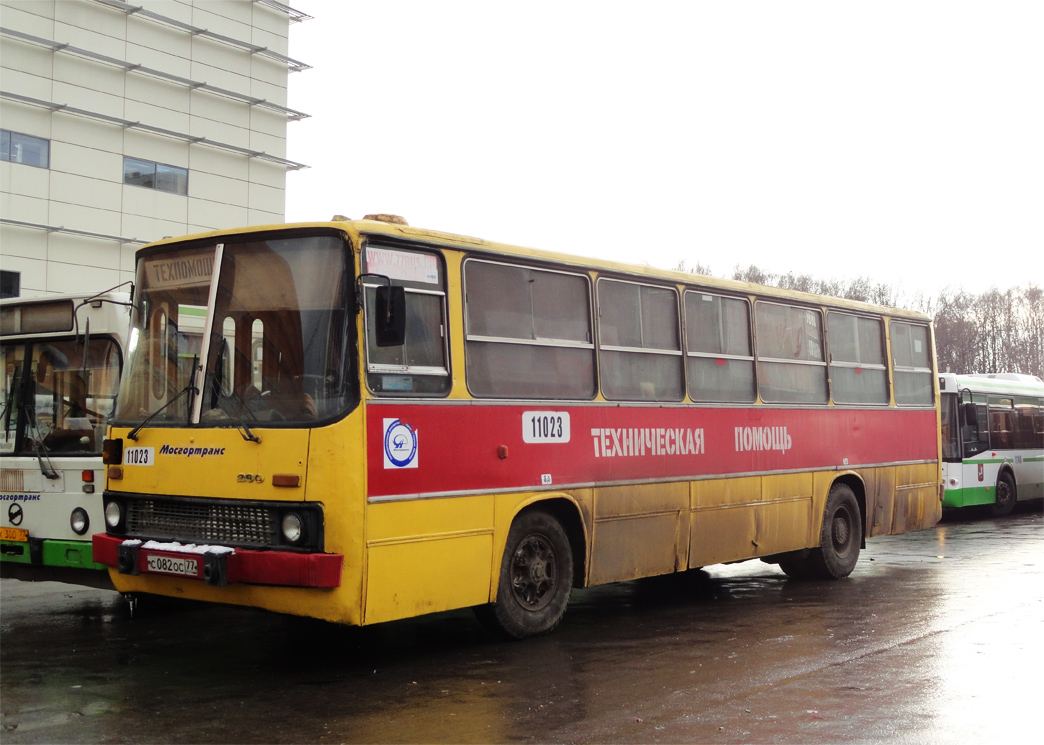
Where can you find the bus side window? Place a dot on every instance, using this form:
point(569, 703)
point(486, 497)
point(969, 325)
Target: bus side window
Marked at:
point(791, 365)
point(857, 359)
point(528, 332)
point(1000, 429)
point(1029, 424)
point(419, 365)
point(719, 352)
point(639, 345)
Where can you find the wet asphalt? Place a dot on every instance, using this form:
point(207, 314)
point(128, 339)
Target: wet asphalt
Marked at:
point(935, 638)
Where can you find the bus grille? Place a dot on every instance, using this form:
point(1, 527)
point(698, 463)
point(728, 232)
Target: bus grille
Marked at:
point(12, 479)
point(223, 524)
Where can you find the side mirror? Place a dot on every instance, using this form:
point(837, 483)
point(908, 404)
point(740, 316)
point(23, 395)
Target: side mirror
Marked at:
point(390, 316)
point(971, 415)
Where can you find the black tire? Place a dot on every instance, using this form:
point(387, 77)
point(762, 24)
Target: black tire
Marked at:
point(1004, 502)
point(840, 537)
point(536, 578)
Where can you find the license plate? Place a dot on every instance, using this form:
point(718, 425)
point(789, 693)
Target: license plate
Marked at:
point(14, 534)
point(186, 567)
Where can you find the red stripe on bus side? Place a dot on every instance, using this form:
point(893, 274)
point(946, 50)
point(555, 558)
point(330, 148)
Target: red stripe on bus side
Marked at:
point(458, 447)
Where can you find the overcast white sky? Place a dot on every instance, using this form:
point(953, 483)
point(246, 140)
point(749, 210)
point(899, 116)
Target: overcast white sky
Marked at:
point(903, 141)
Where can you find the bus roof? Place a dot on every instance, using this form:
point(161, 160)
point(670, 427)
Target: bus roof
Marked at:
point(15, 313)
point(388, 226)
point(1001, 383)
point(119, 296)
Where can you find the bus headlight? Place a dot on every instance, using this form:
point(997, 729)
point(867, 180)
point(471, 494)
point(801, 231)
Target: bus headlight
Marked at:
point(79, 521)
point(113, 514)
point(293, 528)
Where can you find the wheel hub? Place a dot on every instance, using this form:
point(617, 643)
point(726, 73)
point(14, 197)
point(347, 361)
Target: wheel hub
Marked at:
point(841, 531)
point(534, 572)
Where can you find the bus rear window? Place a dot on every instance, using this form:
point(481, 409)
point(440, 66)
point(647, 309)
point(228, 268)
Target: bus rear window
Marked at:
point(912, 364)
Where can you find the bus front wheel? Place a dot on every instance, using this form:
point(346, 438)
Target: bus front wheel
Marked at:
point(1004, 502)
point(840, 537)
point(536, 578)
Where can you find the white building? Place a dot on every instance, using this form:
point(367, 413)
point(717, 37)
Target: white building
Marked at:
point(124, 123)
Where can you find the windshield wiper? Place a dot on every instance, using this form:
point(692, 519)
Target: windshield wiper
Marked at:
point(240, 422)
point(133, 434)
point(30, 420)
point(217, 396)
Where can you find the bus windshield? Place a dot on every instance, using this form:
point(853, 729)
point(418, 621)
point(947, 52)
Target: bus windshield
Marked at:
point(278, 321)
point(56, 398)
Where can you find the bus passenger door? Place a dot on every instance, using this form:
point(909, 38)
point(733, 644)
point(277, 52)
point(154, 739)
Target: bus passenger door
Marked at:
point(976, 476)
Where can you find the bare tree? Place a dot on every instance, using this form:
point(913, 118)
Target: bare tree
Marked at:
point(990, 332)
point(956, 334)
point(698, 268)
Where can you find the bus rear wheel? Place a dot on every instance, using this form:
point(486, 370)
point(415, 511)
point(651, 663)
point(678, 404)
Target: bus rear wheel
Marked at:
point(840, 538)
point(536, 578)
point(1004, 502)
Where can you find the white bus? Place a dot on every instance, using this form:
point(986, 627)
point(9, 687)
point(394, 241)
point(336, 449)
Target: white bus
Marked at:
point(992, 439)
point(62, 357)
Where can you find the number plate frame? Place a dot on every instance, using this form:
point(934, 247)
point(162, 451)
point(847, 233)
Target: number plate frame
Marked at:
point(18, 535)
point(178, 565)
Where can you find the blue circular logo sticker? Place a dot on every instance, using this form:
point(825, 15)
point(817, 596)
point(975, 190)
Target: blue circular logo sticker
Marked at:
point(400, 443)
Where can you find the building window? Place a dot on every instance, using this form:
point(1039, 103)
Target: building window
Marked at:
point(10, 282)
point(25, 149)
point(158, 176)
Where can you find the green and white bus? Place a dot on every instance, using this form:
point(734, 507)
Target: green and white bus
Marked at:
point(61, 357)
point(992, 439)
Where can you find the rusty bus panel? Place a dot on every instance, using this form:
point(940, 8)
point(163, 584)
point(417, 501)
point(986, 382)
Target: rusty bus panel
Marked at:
point(721, 535)
point(782, 520)
point(726, 492)
point(916, 497)
point(884, 502)
point(916, 508)
point(782, 526)
point(869, 478)
point(722, 526)
point(639, 531)
point(640, 499)
point(633, 547)
point(785, 487)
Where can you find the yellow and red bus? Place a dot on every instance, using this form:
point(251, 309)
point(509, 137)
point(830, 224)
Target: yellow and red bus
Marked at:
point(375, 421)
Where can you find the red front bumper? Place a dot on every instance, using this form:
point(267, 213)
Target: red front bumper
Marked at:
point(220, 569)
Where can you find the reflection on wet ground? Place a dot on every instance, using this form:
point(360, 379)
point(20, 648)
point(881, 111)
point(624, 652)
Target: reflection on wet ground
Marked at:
point(936, 637)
